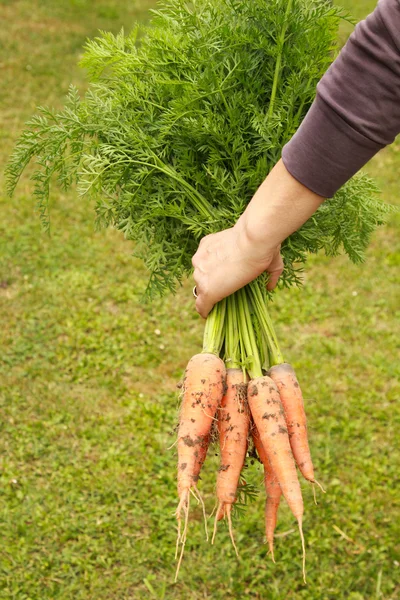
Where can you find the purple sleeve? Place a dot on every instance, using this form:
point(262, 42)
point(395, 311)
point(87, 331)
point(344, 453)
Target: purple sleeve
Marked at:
point(357, 108)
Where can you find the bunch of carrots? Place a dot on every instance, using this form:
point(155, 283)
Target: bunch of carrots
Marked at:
point(180, 124)
point(249, 401)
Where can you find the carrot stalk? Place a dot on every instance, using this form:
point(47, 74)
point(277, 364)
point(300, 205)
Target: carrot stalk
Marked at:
point(258, 294)
point(248, 341)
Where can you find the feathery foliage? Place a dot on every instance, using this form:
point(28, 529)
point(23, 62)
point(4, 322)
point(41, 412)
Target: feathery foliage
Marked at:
point(182, 121)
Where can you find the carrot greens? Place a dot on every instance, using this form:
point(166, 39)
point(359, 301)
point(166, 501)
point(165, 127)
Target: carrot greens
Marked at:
point(182, 121)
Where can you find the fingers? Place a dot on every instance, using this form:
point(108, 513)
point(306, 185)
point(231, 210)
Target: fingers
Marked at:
point(203, 303)
point(275, 270)
point(203, 307)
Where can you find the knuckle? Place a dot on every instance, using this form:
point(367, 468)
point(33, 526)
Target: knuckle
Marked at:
point(204, 290)
point(198, 279)
point(206, 239)
point(203, 240)
point(195, 259)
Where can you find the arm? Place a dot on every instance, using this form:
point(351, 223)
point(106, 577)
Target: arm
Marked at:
point(356, 113)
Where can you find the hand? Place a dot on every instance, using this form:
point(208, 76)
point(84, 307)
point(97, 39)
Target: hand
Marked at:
point(226, 261)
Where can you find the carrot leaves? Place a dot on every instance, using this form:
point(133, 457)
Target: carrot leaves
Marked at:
point(182, 121)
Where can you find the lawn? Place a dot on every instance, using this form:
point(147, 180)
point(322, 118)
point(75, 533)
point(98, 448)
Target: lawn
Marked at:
point(88, 399)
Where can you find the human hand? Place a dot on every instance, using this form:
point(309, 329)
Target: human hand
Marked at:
point(228, 260)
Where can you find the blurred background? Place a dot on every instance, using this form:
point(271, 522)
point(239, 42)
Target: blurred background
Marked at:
point(88, 399)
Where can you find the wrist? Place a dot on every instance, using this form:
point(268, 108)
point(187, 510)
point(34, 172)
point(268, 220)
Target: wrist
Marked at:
point(280, 206)
point(253, 237)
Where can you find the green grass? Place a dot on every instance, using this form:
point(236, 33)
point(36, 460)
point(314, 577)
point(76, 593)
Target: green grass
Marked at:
point(88, 400)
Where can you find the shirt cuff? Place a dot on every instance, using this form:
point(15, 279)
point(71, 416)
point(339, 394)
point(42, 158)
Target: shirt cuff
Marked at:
point(326, 151)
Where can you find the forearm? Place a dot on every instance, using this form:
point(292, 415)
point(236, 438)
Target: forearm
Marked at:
point(279, 207)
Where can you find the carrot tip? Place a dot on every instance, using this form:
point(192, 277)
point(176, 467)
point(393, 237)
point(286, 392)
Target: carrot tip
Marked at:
point(299, 520)
point(186, 505)
point(271, 550)
point(273, 556)
point(228, 514)
point(319, 485)
point(200, 499)
point(216, 522)
point(314, 494)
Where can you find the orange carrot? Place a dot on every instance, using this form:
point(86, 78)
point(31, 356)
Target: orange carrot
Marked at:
point(269, 418)
point(203, 389)
point(289, 390)
point(233, 428)
point(273, 491)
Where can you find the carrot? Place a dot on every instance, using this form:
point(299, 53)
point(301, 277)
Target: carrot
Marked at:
point(269, 418)
point(203, 388)
point(292, 399)
point(273, 491)
point(233, 428)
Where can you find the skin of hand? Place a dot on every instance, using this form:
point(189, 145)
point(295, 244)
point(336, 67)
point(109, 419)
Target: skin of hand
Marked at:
point(228, 260)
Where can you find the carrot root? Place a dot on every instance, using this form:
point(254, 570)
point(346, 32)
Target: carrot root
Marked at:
point(181, 506)
point(172, 445)
point(228, 514)
point(270, 540)
point(285, 379)
point(213, 510)
point(216, 522)
point(319, 485)
point(303, 546)
point(271, 551)
point(202, 391)
point(233, 428)
point(182, 539)
point(314, 494)
point(178, 537)
point(200, 499)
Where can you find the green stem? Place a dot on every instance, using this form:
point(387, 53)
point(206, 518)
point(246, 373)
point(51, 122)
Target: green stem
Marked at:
point(232, 337)
point(199, 202)
point(263, 316)
point(251, 356)
point(278, 63)
point(215, 329)
point(202, 205)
